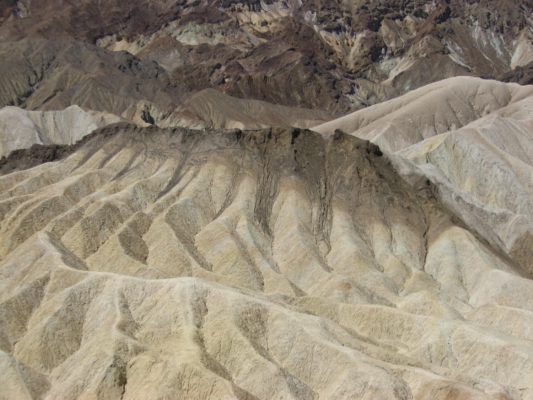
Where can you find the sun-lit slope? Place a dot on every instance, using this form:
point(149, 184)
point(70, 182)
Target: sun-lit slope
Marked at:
point(252, 265)
point(491, 162)
point(473, 139)
point(213, 109)
point(20, 129)
point(431, 110)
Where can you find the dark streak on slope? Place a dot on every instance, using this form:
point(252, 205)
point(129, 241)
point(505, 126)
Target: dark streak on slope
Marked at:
point(324, 165)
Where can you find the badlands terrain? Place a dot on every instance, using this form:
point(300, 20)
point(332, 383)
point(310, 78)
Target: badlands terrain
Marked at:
point(266, 200)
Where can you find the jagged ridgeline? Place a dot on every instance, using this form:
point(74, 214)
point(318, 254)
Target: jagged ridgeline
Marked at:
point(153, 263)
point(321, 54)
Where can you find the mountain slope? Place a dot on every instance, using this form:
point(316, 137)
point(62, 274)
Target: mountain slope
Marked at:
point(45, 74)
point(172, 225)
point(329, 275)
point(20, 129)
point(473, 139)
point(213, 109)
point(431, 110)
point(491, 160)
point(331, 55)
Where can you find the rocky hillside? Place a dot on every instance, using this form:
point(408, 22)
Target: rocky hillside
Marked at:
point(21, 129)
point(331, 55)
point(276, 199)
point(149, 263)
point(472, 138)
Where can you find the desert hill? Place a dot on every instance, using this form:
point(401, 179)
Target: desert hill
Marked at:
point(21, 129)
point(473, 139)
point(275, 199)
point(51, 75)
point(330, 55)
point(210, 108)
point(329, 274)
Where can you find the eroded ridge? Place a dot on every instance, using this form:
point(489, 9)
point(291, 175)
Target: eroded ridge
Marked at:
point(151, 263)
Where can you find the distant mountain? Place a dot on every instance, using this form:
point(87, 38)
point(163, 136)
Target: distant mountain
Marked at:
point(331, 55)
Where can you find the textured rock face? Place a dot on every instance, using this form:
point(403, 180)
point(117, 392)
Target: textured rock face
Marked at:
point(428, 112)
point(170, 229)
point(331, 55)
point(474, 139)
point(149, 263)
point(46, 74)
point(20, 129)
point(210, 108)
point(522, 75)
point(42, 74)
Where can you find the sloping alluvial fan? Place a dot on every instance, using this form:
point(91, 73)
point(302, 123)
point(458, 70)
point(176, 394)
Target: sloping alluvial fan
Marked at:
point(149, 263)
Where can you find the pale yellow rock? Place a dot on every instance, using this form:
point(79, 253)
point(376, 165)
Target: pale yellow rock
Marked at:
point(156, 264)
point(431, 110)
point(20, 129)
point(473, 139)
